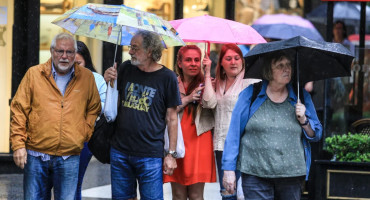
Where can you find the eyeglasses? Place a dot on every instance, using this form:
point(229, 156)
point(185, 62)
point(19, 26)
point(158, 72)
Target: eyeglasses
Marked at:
point(60, 52)
point(133, 48)
point(282, 66)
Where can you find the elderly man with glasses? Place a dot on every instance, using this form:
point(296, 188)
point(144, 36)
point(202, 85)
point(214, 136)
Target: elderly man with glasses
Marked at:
point(53, 114)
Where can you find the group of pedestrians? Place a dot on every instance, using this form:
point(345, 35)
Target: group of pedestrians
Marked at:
point(257, 130)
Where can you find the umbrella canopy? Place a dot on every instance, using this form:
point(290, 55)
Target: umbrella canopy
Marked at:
point(116, 24)
point(282, 26)
point(313, 60)
point(349, 12)
point(215, 30)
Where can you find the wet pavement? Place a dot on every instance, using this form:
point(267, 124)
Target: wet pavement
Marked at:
point(96, 185)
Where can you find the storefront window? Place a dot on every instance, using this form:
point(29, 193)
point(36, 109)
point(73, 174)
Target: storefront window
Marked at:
point(6, 23)
point(193, 8)
point(247, 11)
point(347, 102)
point(50, 10)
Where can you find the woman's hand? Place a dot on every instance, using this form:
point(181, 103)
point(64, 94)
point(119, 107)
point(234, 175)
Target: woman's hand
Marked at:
point(207, 66)
point(229, 181)
point(111, 73)
point(195, 95)
point(300, 110)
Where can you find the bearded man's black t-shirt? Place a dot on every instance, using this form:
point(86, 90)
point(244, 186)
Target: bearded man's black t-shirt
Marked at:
point(141, 119)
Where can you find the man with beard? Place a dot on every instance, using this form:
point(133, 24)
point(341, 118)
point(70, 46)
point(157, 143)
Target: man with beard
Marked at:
point(53, 114)
point(148, 98)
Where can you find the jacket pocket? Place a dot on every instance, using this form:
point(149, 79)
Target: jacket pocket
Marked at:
point(33, 123)
point(82, 129)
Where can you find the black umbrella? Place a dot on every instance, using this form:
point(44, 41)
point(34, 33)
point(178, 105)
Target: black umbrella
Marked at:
point(314, 60)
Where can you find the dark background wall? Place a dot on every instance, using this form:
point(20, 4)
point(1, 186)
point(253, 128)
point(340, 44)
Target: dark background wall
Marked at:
point(26, 39)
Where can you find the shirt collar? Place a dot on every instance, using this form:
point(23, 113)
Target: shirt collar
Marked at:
point(71, 73)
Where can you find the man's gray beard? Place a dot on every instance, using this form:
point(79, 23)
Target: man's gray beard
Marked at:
point(63, 68)
point(136, 62)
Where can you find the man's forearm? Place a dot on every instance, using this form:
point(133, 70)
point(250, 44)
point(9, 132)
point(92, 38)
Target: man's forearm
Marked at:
point(172, 133)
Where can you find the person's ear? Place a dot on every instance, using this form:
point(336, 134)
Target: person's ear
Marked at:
point(149, 53)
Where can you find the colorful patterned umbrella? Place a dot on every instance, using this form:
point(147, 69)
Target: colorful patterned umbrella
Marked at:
point(116, 24)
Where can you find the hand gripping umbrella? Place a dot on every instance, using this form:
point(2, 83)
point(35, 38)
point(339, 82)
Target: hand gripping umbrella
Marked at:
point(314, 60)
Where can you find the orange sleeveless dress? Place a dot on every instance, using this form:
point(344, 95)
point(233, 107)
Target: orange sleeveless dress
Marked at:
point(198, 165)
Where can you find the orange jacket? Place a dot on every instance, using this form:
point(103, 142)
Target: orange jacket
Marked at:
point(44, 120)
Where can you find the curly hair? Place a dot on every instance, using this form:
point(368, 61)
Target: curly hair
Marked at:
point(151, 42)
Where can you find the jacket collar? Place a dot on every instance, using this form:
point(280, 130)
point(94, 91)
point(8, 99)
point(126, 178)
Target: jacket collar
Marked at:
point(47, 71)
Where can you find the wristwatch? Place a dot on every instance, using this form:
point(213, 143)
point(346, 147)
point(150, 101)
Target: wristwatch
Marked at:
point(305, 123)
point(172, 153)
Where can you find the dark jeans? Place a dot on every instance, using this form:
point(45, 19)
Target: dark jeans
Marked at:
point(221, 176)
point(41, 176)
point(256, 188)
point(85, 158)
point(125, 170)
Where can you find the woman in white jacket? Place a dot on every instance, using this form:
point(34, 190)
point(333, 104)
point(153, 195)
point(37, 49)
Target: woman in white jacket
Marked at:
point(222, 98)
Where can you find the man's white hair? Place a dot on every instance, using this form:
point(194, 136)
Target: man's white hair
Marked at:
point(63, 36)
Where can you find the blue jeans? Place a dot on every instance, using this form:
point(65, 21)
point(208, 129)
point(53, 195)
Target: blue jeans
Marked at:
point(125, 170)
point(272, 188)
point(221, 176)
point(41, 176)
point(85, 158)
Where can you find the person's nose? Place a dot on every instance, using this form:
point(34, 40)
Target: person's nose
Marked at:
point(64, 55)
point(233, 61)
point(131, 52)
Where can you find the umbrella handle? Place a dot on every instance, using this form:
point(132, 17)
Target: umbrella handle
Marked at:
point(297, 74)
point(208, 48)
point(115, 52)
point(297, 63)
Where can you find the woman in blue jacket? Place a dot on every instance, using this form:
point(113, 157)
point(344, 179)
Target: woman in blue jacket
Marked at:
point(268, 139)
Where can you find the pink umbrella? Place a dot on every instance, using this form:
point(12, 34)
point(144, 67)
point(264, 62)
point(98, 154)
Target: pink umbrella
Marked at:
point(215, 30)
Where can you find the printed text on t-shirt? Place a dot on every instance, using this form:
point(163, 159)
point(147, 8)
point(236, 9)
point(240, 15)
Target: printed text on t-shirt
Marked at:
point(138, 97)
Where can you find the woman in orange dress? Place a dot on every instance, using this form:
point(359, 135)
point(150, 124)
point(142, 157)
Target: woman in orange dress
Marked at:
point(198, 165)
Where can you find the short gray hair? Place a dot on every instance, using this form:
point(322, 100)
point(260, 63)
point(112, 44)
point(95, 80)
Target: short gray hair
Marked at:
point(63, 36)
point(151, 42)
